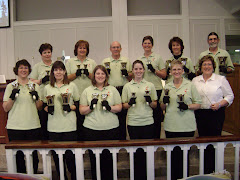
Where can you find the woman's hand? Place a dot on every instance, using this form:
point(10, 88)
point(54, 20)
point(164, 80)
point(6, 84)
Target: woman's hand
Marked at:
point(215, 106)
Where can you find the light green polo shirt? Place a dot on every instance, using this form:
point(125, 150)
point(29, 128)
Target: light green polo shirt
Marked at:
point(158, 64)
point(100, 119)
point(176, 120)
point(39, 72)
point(24, 113)
point(116, 78)
point(60, 121)
point(141, 114)
point(220, 53)
point(188, 65)
point(82, 81)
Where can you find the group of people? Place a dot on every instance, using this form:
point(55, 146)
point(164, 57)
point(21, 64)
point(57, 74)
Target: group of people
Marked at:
point(85, 101)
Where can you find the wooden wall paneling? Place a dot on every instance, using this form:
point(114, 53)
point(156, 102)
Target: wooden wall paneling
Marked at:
point(99, 36)
point(137, 30)
point(200, 28)
point(28, 41)
point(62, 38)
point(232, 114)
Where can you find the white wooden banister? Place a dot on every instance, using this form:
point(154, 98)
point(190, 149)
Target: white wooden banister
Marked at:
point(149, 146)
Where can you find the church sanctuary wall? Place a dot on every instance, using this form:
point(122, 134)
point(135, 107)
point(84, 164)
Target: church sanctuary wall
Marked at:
point(62, 25)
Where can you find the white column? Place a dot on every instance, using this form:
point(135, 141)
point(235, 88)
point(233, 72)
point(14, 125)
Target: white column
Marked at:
point(79, 163)
point(219, 156)
point(11, 161)
point(185, 27)
point(201, 158)
point(120, 24)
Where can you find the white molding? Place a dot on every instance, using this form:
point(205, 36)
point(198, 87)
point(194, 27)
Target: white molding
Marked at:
point(153, 17)
point(62, 21)
point(210, 17)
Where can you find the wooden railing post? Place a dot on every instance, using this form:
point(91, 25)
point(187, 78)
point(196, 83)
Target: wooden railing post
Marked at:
point(150, 163)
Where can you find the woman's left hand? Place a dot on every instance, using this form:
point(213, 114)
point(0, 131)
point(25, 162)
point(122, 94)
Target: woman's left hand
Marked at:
point(215, 106)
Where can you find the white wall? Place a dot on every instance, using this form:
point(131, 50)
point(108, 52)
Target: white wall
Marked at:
point(198, 18)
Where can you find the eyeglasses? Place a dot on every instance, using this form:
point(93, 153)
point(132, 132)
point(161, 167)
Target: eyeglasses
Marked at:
point(116, 47)
point(207, 64)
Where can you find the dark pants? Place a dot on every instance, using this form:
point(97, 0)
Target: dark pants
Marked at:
point(140, 132)
point(33, 134)
point(106, 162)
point(209, 123)
point(177, 155)
point(68, 157)
point(122, 118)
point(157, 116)
point(43, 116)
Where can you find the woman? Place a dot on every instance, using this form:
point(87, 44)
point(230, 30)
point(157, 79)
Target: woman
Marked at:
point(176, 47)
point(154, 73)
point(179, 99)
point(22, 104)
point(99, 103)
point(40, 75)
point(80, 71)
point(139, 97)
point(62, 117)
point(216, 94)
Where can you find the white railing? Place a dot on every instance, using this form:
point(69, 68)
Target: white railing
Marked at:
point(149, 146)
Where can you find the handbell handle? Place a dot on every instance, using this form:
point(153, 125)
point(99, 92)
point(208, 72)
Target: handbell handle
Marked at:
point(133, 105)
point(34, 98)
point(104, 108)
point(94, 106)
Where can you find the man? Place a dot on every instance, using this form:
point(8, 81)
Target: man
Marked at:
point(119, 69)
point(221, 57)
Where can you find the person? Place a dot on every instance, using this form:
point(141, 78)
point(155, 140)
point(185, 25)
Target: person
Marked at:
point(22, 104)
point(62, 118)
point(221, 57)
point(40, 75)
point(99, 103)
point(179, 99)
point(79, 71)
point(139, 97)
point(216, 94)
point(155, 71)
point(119, 71)
point(176, 47)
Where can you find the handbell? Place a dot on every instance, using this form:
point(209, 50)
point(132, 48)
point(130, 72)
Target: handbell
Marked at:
point(222, 60)
point(184, 61)
point(149, 62)
point(31, 88)
point(15, 86)
point(50, 100)
point(181, 98)
point(147, 93)
point(107, 65)
point(65, 99)
point(95, 96)
point(85, 67)
point(104, 98)
point(47, 72)
point(133, 96)
point(124, 66)
point(166, 91)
